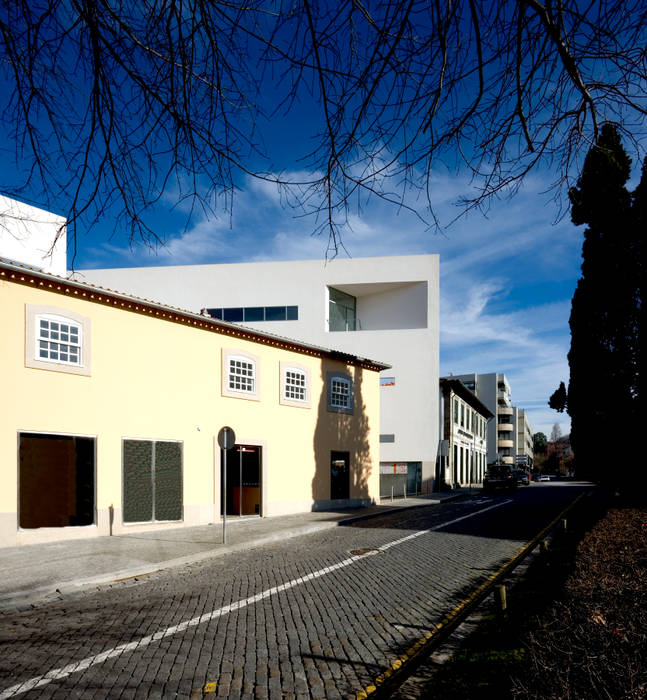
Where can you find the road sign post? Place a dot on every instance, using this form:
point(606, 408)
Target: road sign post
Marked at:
point(226, 440)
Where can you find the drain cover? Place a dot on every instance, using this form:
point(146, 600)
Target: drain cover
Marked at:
point(362, 552)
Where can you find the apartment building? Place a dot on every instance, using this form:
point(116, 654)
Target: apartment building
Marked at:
point(383, 307)
point(524, 453)
point(494, 391)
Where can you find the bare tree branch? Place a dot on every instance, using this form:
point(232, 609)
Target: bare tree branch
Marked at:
point(110, 104)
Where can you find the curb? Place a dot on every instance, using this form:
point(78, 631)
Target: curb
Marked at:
point(24, 599)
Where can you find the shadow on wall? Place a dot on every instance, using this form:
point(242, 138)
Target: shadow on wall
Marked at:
point(342, 452)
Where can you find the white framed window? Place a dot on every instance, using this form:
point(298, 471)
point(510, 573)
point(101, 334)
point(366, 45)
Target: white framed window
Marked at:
point(57, 339)
point(340, 392)
point(240, 375)
point(294, 385)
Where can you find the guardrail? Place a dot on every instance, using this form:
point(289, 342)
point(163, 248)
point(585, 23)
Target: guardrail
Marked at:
point(406, 663)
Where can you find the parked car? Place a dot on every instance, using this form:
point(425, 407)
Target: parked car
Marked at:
point(542, 477)
point(500, 476)
point(522, 477)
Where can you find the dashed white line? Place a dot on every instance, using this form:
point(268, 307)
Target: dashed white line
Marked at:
point(65, 671)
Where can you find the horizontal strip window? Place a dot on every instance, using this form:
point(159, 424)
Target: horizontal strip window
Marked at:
point(254, 314)
point(387, 437)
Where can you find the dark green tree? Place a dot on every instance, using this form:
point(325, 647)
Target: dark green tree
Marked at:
point(559, 399)
point(539, 443)
point(604, 321)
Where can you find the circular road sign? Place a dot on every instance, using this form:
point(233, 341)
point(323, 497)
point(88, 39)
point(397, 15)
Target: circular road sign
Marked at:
point(226, 438)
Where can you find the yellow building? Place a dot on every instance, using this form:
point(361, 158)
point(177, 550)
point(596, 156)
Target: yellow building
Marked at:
point(112, 406)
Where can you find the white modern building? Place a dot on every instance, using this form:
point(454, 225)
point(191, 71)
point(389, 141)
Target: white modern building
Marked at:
point(385, 308)
point(494, 391)
point(32, 236)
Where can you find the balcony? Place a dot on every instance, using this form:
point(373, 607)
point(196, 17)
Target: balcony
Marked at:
point(503, 398)
point(505, 443)
point(504, 410)
point(505, 427)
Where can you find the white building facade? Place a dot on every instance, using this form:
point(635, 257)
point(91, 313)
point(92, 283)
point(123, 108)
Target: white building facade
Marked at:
point(32, 236)
point(464, 422)
point(385, 308)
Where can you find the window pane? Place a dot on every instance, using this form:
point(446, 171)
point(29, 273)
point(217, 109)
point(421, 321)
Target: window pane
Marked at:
point(254, 313)
point(235, 315)
point(292, 313)
point(275, 313)
point(215, 313)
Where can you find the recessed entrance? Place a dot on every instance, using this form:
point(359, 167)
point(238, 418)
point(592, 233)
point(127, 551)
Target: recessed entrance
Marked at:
point(339, 475)
point(243, 496)
point(56, 475)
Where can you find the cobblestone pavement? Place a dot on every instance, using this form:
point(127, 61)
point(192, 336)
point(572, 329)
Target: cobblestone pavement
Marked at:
point(316, 616)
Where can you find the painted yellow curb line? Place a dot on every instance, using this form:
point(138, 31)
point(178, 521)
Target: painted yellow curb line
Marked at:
point(456, 614)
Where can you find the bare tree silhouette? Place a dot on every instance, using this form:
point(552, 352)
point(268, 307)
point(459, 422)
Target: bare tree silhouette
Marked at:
point(109, 105)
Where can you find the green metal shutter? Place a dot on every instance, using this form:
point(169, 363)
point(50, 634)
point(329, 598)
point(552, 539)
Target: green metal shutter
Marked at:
point(138, 484)
point(168, 481)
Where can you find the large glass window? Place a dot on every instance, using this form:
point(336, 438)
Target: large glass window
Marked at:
point(255, 314)
point(342, 311)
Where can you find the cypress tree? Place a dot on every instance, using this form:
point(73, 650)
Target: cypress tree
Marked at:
point(603, 321)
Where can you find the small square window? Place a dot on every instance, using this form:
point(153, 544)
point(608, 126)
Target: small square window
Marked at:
point(234, 315)
point(275, 313)
point(240, 375)
point(295, 385)
point(340, 393)
point(254, 313)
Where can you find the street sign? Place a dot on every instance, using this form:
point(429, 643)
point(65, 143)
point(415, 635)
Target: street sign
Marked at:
point(226, 438)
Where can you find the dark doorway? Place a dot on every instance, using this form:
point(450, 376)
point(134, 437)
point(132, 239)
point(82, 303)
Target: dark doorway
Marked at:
point(56, 475)
point(339, 475)
point(243, 495)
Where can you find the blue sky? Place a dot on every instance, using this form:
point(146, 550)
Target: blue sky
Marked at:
point(507, 276)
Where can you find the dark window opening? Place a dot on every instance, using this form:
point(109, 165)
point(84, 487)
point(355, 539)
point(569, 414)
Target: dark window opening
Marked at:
point(254, 313)
point(234, 315)
point(57, 482)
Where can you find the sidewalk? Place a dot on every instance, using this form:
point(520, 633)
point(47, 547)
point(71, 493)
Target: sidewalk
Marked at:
point(39, 572)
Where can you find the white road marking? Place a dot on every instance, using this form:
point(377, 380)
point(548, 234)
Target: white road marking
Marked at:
point(61, 673)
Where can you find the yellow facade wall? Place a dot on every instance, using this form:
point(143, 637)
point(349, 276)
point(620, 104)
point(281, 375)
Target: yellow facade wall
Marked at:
point(157, 379)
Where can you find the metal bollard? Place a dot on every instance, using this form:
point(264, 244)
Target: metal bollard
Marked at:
point(391, 493)
point(404, 491)
point(503, 598)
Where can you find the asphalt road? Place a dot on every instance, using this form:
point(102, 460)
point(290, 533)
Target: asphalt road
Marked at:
point(315, 616)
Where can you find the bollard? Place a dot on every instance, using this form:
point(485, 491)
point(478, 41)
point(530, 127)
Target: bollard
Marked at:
point(503, 598)
point(404, 490)
point(391, 493)
point(564, 525)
